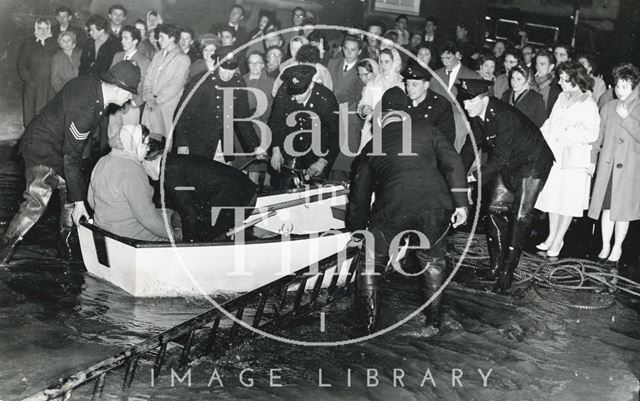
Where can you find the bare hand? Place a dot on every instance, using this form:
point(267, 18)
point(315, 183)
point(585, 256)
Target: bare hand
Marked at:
point(316, 168)
point(459, 217)
point(79, 211)
point(260, 153)
point(183, 150)
point(276, 159)
point(366, 110)
point(622, 111)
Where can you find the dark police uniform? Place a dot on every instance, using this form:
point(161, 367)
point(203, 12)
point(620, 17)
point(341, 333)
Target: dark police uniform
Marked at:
point(411, 193)
point(52, 148)
point(322, 102)
point(518, 164)
point(434, 109)
point(216, 185)
point(200, 126)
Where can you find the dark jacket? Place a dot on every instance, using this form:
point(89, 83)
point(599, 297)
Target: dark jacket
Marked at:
point(215, 185)
point(323, 103)
point(530, 103)
point(56, 136)
point(404, 184)
point(438, 112)
point(34, 68)
point(95, 64)
point(514, 145)
point(200, 125)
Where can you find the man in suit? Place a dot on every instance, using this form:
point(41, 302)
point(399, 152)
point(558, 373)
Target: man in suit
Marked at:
point(64, 17)
point(130, 112)
point(236, 15)
point(424, 104)
point(416, 192)
point(348, 90)
point(372, 49)
point(117, 16)
point(164, 82)
point(311, 144)
point(430, 36)
point(451, 72)
point(517, 166)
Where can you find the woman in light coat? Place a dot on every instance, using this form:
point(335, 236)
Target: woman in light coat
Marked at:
point(164, 81)
point(616, 191)
point(570, 132)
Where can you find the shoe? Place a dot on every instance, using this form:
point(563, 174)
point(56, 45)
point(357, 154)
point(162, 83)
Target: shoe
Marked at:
point(554, 254)
point(543, 246)
point(614, 256)
point(602, 256)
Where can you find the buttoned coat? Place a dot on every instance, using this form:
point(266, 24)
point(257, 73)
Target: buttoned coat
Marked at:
point(164, 82)
point(34, 68)
point(619, 161)
point(458, 116)
point(348, 89)
point(530, 103)
point(437, 111)
point(64, 68)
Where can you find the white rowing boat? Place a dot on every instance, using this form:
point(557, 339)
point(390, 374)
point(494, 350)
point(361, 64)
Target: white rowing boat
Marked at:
point(307, 221)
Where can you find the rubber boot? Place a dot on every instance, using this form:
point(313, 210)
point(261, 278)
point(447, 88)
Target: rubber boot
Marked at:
point(433, 280)
point(8, 248)
point(367, 301)
point(518, 241)
point(497, 240)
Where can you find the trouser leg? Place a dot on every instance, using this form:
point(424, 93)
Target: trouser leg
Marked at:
point(371, 264)
point(498, 225)
point(526, 195)
point(41, 181)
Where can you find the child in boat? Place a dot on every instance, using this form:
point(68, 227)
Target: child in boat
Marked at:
point(120, 193)
point(202, 191)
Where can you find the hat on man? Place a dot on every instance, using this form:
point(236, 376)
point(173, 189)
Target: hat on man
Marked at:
point(470, 88)
point(298, 78)
point(227, 59)
point(125, 74)
point(394, 99)
point(414, 70)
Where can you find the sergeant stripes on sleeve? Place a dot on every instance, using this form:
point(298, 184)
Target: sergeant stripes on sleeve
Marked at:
point(80, 136)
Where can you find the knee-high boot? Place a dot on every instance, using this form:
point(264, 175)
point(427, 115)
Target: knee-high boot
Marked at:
point(512, 259)
point(497, 241)
point(367, 298)
point(433, 279)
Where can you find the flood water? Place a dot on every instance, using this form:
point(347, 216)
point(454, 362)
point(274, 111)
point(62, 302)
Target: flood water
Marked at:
point(55, 320)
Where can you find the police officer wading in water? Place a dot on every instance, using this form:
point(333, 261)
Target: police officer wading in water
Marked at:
point(518, 164)
point(416, 189)
point(52, 147)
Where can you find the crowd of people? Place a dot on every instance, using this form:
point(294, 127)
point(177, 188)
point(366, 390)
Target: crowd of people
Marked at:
point(544, 120)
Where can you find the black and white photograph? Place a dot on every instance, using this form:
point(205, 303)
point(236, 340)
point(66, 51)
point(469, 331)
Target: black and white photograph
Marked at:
point(320, 200)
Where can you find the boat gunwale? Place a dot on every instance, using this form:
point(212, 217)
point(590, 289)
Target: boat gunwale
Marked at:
point(141, 244)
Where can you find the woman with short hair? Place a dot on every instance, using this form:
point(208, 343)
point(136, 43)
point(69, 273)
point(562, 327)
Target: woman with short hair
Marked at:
point(616, 192)
point(570, 132)
point(66, 62)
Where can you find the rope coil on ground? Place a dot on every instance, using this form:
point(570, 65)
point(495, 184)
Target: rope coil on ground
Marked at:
point(567, 276)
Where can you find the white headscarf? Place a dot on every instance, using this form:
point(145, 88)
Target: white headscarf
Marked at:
point(47, 34)
point(128, 143)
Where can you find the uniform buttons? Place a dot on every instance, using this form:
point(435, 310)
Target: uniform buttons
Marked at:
point(620, 140)
point(426, 115)
point(619, 165)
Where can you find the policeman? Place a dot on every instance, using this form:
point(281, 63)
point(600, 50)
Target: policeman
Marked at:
point(200, 129)
point(517, 166)
point(424, 103)
point(412, 192)
point(52, 147)
point(304, 123)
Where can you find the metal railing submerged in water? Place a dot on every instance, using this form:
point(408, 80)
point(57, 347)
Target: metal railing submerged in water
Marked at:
point(288, 299)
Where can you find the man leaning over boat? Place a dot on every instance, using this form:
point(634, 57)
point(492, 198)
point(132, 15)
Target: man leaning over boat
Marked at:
point(416, 192)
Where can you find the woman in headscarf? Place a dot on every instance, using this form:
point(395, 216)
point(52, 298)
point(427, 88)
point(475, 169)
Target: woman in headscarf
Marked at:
point(389, 76)
point(34, 68)
point(209, 43)
point(66, 61)
point(120, 194)
point(529, 102)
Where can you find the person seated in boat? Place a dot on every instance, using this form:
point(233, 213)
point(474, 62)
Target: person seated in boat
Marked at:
point(412, 192)
point(120, 193)
point(202, 191)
